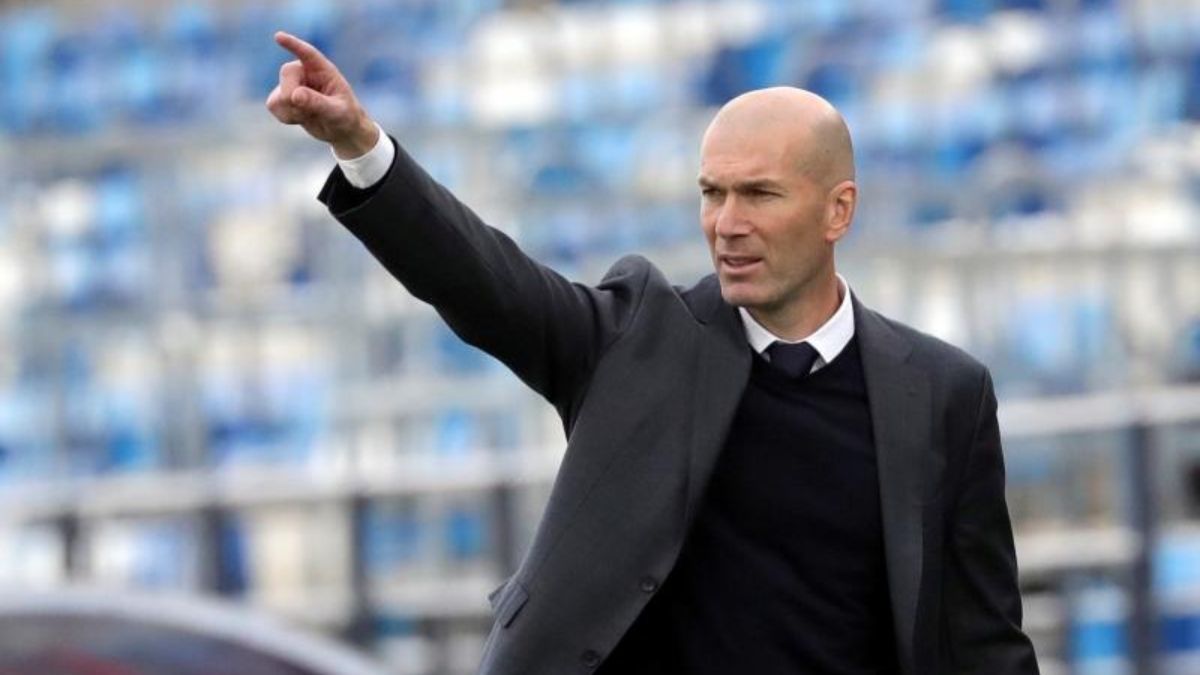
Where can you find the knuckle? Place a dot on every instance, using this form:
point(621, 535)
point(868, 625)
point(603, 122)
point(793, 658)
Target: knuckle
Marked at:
point(281, 111)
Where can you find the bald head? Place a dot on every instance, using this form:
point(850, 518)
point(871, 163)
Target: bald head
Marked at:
point(777, 193)
point(800, 123)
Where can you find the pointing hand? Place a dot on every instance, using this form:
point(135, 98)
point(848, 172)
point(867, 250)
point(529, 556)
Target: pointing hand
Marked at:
point(313, 94)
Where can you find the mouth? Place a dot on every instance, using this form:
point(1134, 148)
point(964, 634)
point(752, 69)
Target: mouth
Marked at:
point(738, 263)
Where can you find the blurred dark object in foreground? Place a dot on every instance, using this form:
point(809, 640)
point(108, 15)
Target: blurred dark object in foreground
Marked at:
point(90, 633)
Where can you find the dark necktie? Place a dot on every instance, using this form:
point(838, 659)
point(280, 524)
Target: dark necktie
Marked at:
point(795, 360)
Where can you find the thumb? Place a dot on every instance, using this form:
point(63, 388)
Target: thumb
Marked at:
point(314, 102)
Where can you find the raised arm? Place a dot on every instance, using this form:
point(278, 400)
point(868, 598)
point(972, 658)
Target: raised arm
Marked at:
point(549, 331)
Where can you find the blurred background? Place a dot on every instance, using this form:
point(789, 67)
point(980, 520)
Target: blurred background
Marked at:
point(208, 388)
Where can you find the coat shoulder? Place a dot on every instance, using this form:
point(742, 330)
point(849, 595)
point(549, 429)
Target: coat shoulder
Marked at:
point(636, 273)
point(935, 354)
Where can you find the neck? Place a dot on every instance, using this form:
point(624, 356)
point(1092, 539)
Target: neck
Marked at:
point(801, 316)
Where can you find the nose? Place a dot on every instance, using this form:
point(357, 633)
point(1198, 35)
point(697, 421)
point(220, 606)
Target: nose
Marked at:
point(731, 218)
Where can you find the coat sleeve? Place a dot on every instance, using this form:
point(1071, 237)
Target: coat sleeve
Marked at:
point(983, 602)
point(548, 330)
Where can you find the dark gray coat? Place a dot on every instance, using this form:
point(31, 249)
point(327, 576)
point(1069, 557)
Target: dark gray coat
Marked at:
point(646, 377)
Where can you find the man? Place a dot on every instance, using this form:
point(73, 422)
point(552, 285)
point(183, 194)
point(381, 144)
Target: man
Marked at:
point(762, 475)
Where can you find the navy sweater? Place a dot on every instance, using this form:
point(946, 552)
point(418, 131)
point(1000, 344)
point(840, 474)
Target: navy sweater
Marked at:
point(783, 570)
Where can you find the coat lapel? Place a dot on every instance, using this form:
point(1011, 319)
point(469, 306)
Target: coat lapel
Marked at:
point(722, 367)
point(901, 416)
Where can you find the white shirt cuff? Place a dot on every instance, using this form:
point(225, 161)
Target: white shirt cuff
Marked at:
point(367, 170)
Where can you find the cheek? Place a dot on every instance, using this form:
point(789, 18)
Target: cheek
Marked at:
point(796, 240)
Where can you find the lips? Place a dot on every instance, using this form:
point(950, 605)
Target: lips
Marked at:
point(738, 262)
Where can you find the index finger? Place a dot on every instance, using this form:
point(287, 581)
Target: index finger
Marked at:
point(309, 55)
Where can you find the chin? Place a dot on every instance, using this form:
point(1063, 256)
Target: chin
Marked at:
point(740, 295)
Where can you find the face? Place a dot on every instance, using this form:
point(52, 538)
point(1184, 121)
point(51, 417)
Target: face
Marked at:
point(770, 226)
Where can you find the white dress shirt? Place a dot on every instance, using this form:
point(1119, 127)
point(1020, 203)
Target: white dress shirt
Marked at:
point(367, 170)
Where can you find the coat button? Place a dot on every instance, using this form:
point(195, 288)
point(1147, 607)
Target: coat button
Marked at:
point(649, 584)
point(590, 658)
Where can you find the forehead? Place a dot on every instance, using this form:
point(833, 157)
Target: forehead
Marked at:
point(728, 154)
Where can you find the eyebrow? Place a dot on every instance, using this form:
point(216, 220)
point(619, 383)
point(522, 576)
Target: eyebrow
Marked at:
point(744, 186)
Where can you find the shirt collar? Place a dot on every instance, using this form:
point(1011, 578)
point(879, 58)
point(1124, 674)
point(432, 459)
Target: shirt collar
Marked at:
point(829, 340)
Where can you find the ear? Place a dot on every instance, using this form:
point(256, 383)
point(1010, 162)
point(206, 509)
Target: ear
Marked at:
point(839, 212)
